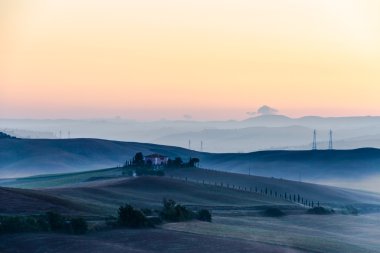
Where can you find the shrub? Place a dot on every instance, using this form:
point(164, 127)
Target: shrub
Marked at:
point(347, 210)
point(175, 212)
point(10, 224)
point(31, 224)
point(350, 210)
point(43, 223)
point(160, 173)
point(204, 215)
point(273, 212)
point(131, 217)
point(16, 224)
point(56, 221)
point(78, 226)
point(320, 210)
point(50, 222)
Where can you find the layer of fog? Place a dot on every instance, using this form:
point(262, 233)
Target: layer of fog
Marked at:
point(370, 183)
point(263, 132)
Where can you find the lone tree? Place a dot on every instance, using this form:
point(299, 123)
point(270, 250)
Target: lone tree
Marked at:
point(178, 161)
point(138, 159)
point(193, 162)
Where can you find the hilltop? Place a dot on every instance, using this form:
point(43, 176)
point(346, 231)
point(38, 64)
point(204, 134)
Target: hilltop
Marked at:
point(5, 136)
point(27, 157)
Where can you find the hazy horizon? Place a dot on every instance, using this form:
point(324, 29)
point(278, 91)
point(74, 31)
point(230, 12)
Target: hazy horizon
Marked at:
point(182, 118)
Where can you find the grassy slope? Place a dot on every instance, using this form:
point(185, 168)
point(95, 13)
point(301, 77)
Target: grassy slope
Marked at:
point(19, 201)
point(149, 192)
point(105, 196)
point(22, 157)
point(54, 180)
point(324, 234)
point(332, 196)
point(235, 216)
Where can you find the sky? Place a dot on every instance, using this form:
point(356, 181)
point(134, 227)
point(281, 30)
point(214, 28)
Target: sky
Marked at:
point(209, 59)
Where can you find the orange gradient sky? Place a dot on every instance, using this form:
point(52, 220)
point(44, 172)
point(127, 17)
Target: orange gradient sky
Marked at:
point(212, 59)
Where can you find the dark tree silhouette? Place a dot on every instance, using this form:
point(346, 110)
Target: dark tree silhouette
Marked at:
point(78, 225)
point(131, 217)
point(204, 215)
point(138, 159)
point(193, 162)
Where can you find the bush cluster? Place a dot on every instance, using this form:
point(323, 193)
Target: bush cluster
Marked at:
point(51, 221)
point(130, 217)
point(13, 224)
point(174, 212)
point(204, 215)
point(273, 212)
point(350, 210)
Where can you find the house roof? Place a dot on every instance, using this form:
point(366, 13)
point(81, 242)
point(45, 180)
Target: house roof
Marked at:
point(156, 156)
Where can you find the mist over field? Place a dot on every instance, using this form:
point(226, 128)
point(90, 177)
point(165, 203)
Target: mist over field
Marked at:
point(367, 182)
point(262, 132)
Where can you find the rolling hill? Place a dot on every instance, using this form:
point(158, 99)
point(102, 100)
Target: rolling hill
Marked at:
point(105, 196)
point(262, 132)
point(24, 157)
point(27, 157)
point(237, 215)
point(179, 182)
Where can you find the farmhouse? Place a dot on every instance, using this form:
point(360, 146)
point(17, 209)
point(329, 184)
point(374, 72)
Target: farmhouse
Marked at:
point(156, 159)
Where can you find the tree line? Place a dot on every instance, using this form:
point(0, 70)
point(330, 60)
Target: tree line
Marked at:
point(139, 166)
